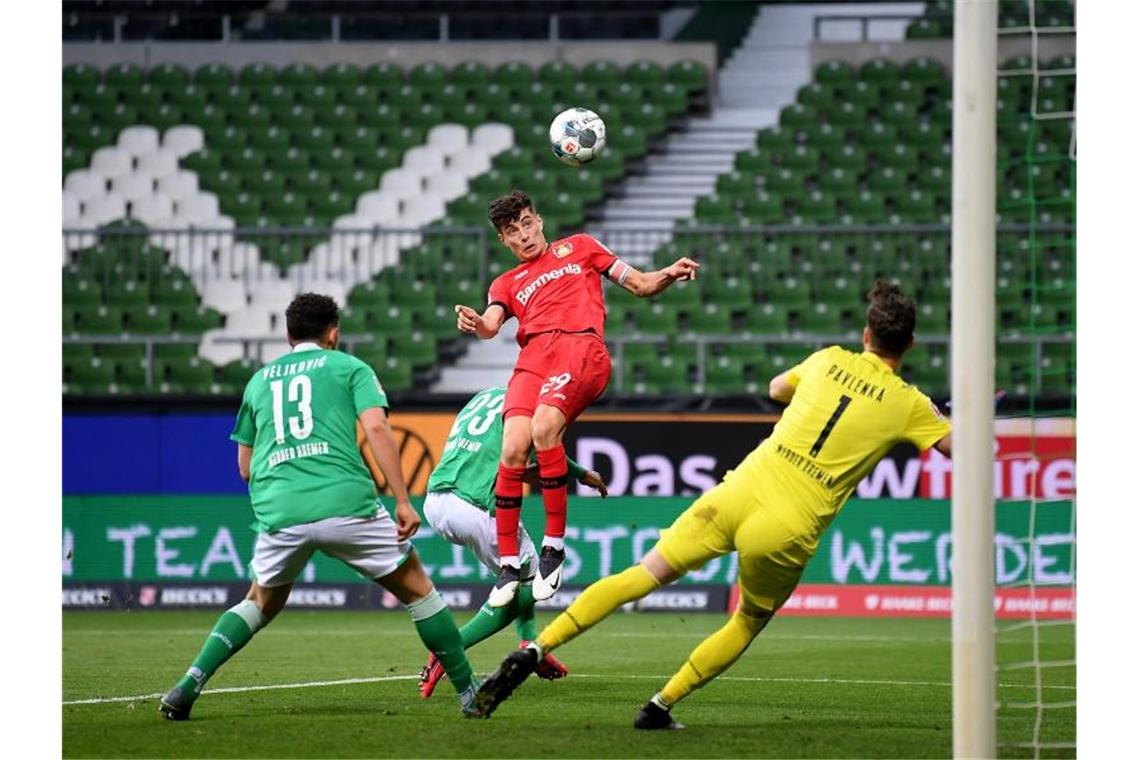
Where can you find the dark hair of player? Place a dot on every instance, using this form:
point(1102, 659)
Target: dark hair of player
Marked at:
point(508, 208)
point(310, 315)
point(891, 317)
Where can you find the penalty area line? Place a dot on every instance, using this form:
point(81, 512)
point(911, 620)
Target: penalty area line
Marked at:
point(381, 679)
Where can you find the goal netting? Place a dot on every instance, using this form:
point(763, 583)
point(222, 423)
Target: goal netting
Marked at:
point(1036, 360)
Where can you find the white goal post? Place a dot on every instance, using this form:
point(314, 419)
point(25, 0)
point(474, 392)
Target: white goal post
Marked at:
point(972, 380)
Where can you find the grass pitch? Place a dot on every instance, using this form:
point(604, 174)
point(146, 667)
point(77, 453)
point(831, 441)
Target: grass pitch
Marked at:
point(343, 684)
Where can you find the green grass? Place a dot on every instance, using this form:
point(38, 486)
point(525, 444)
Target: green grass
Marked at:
point(808, 687)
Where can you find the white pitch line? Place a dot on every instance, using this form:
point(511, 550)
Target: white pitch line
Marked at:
point(379, 679)
point(238, 689)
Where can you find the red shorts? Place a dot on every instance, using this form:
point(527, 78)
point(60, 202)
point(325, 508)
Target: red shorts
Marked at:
point(565, 370)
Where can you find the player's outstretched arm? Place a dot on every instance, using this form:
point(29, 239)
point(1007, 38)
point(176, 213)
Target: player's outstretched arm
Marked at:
point(781, 388)
point(485, 325)
point(387, 454)
point(943, 447)
point(646, 284)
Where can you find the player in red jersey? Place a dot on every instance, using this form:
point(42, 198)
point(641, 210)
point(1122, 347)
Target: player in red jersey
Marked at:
point(556, 294)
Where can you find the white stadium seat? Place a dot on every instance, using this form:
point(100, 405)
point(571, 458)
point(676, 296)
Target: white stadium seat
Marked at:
point(85, 184)
point(158, 163)
point(138, 140)
point(105, 208)
point(183, 139)
point(133, 187)
point(422, 209)
point(112, 161)
point(181, 184)
point(225, 294)
point(401, 183)
point(470, 163)
point(309, 281)
point(71, 208)
point(152, 210)
point(448, 138)
point(493, 138)
point(447, 185)
point(423, 160)
point(197, 208)
point(377, 207)
point(273, 293)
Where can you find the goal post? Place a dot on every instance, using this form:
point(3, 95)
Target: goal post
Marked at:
point(972, 379)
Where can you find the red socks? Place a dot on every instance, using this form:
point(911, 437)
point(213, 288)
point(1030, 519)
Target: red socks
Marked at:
point(508, 501)
point(552, 477)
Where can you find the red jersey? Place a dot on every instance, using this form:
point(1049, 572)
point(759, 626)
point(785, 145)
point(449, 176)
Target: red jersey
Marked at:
point(561, 289)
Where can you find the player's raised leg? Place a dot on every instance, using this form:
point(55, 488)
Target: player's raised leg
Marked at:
point(547, 428)
point(508, 505)
point(712, 657)
point(234, 629)
point(772, 559)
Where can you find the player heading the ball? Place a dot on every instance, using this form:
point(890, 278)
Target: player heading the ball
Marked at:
point(555, 293)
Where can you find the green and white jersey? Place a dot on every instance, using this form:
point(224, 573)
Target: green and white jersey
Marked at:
point(470, 461)
point(299, 416)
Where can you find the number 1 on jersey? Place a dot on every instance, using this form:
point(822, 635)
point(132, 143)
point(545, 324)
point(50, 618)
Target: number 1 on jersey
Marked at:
point(823, 434)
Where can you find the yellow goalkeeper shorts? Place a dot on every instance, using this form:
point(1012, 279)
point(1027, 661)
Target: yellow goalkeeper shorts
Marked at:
point(733, 516)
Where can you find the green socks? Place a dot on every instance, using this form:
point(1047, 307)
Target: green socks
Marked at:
point(233, 630)
point(524, 623)
point(437, 630)
point(490, 620)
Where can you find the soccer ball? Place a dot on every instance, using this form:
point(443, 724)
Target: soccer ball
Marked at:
point(577, 136)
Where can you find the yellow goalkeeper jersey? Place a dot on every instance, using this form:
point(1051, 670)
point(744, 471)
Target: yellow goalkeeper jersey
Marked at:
point(847, 412)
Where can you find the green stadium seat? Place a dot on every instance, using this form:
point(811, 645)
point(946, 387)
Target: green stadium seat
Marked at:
point(384, 77)
point(514, 75)
point(194, 371)
point(93, 372)
point(724, 374)
point(127, 293)
point(776, 140)
point(175, 292)
point(766, 318)
point(73, 352)
point(193, 320)
point(798, 116)
point(100, 320)
point(416, 348)
point(819, 317)
point(880, 71)
point(148, 320)
point(396, 375)
point(835, 73)
point(81, 292)
point(658, 318)
point(709, 319)
point(791, 292)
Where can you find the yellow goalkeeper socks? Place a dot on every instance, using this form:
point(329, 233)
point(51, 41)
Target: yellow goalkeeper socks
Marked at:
point(596, 603)
point(713, 656)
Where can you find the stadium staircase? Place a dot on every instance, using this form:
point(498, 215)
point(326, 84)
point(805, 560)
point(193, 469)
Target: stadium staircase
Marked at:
point(758, 78)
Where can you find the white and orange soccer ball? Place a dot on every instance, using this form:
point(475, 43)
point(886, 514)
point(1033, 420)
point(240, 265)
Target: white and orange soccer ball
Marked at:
point(577, 136)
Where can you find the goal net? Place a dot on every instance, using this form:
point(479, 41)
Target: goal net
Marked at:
point(1036, 360)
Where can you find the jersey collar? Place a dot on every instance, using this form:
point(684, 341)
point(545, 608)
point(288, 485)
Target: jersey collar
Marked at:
point(306, 346)
point(872, 356)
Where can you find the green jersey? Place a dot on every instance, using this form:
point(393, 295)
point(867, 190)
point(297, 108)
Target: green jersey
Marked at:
point(299, 416)
point(470, 461)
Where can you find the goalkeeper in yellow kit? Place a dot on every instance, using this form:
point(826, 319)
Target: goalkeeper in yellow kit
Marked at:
point(845, 412)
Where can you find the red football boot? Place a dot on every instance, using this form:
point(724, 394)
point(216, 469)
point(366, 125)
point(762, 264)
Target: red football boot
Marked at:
point(431, 675)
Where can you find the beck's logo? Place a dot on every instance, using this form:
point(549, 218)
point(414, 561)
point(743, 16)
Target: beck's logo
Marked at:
point(563, 250)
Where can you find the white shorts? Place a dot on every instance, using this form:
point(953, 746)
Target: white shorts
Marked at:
point(368, 545)
point(461, 522)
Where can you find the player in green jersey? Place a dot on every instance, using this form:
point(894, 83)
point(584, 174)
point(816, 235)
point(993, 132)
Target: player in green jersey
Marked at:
point(460, 506)
point(311, 491)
